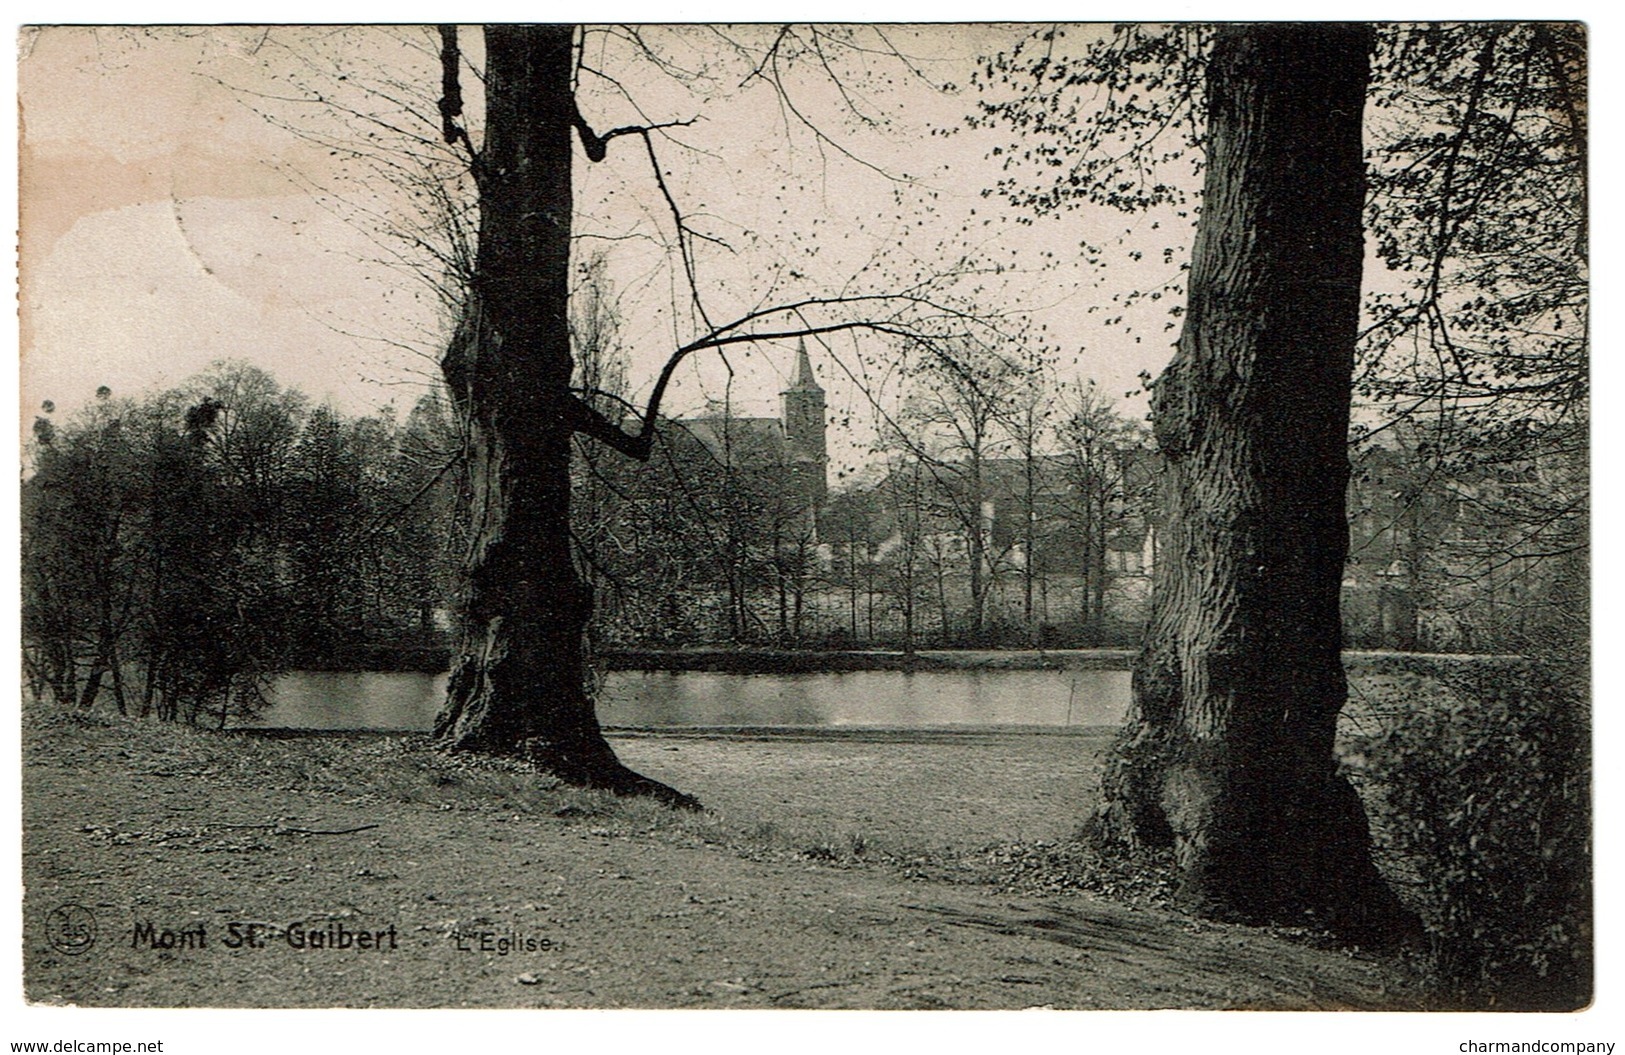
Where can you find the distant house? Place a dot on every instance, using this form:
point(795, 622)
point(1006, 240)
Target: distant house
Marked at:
point(1462, 557)
point(1079, 535)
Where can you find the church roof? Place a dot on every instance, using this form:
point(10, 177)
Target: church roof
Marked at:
point(741, 441)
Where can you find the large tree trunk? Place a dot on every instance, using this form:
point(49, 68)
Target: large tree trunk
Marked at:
point(1227, 755)
point(518, 684)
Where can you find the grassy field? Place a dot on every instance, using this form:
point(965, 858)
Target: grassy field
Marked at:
point(867, 871)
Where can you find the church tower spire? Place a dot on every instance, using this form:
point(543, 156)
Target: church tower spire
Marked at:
point(804, 374)
point(802, 406)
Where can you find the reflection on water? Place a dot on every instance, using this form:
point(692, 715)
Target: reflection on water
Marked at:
point(924, 699)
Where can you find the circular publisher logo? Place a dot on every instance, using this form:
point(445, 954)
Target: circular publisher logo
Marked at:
point(71, 929)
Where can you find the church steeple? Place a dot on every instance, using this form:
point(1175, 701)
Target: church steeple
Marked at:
point(804, 374)
point(802, 405)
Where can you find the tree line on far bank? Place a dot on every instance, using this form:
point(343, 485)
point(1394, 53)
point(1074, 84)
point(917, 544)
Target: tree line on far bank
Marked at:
point(181, 550)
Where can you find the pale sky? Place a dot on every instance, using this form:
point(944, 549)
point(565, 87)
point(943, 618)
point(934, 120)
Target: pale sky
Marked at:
point(161, 229)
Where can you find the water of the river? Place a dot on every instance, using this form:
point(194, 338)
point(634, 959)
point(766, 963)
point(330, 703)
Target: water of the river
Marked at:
point(895, 699)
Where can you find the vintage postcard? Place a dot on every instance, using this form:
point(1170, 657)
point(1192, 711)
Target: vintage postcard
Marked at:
point(973, 516)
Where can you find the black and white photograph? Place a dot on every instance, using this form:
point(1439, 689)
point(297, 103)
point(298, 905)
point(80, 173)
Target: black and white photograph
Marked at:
point(754, 516)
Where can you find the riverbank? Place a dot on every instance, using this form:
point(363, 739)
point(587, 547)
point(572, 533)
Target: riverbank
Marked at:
point(881, 871)
point(784, 661)
point(771, 661)
point(799, 661)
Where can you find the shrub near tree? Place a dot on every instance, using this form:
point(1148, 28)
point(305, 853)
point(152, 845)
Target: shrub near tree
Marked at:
point(1482, 803)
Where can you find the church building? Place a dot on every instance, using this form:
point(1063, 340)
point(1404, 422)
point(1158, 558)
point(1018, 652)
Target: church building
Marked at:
point(793, 443)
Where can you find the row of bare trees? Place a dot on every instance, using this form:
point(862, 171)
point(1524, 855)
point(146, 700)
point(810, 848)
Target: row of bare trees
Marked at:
point(1022, 538)
point(1011, 505)
point(1468, 551)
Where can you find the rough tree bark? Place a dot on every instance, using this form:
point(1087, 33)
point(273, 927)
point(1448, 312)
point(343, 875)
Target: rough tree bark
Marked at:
point(518, 682)
point(1227, 754)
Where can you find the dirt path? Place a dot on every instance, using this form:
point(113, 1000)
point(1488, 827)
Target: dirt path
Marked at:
point(603, 905)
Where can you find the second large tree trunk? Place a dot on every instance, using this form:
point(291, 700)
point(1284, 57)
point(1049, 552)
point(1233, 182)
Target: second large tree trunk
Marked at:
point(1227, 755)
point(518, 682)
